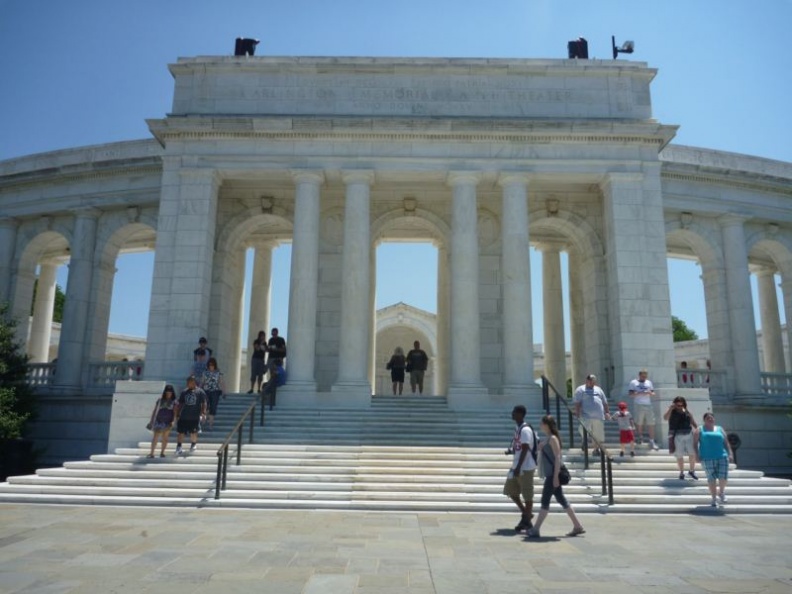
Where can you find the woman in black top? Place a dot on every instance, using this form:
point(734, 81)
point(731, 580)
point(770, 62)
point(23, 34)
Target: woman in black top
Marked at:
point(396, 366)
point(680, 428)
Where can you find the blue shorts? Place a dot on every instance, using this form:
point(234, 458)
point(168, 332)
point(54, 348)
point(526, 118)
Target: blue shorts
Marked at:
point(716, 469)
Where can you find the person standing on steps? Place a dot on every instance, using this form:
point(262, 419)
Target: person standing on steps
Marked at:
point(212, 384)
point(680, 428)
point(642, 392)
point(417, 361)
point(520, 479)
point(190, 410)
point(258, 366)
point(201, 356)
point(276, 347)
point(591, 407)
point(396, 367)
point(161, 421)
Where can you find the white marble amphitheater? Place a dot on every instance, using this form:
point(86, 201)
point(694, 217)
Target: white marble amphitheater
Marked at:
point(481, 157)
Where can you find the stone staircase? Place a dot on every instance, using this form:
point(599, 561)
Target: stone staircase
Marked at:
point(402, 454)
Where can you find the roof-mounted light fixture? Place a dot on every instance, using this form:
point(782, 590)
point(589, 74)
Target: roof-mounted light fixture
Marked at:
point(627, 47)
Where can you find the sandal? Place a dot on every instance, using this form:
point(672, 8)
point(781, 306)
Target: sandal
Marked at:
point(576, 531)
point(150, 456)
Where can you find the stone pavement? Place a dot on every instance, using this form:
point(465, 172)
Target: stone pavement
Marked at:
point(106, 550)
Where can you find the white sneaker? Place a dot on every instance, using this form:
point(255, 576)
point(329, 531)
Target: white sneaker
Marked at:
point(654, 445)
point(714, 503)
point(179, 451)
point(722, 498)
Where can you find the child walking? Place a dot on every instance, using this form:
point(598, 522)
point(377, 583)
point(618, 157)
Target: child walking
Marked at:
point(626, 429)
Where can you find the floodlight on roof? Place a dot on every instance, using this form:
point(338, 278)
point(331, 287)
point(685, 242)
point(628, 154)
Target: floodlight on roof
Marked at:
point(245, 46)
point(626, 48)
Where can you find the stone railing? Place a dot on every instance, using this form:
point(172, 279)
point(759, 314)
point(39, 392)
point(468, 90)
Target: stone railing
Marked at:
point(777, 384)
point(40, 374)
point(105, 374)
point(714, 380)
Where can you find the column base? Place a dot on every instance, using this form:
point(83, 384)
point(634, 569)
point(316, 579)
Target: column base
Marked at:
point(529, 395)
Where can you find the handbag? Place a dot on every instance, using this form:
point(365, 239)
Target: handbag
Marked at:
point(563, 472)
point(154, 414)
point(671, 443)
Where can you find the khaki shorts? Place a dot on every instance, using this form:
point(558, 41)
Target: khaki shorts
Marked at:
point(596, 427)
point(644, 415)
point(683, 442)
point(522, 485)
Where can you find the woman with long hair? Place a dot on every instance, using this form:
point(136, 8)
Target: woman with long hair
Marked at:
point(212, 384)
point(396, 366)
point(551, 463)
point(681, 426)
point(162, 417)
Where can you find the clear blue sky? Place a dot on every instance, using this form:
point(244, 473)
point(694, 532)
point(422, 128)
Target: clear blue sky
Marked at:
point(91, 71)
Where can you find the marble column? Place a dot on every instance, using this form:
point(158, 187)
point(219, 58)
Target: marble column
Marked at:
point(442, 353)
point(552, 300)
point(741, 316)
point(713, 277)
point(183, 263)
point(233, 359)
point(772, 343)
point(639, 302)
point(786, 292)
point(260, 292)
point(355, 295)
point(304, 288)
point(465, 320)
point(41, 329)
point(577, 319)
point(71, 348)
point(8, 236)
point(372, 358)
point(518, 362)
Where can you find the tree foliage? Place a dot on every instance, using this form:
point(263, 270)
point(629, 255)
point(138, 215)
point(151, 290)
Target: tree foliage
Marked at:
point(16, 397)
point(681, 330)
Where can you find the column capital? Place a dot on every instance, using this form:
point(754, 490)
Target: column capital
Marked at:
point(358, 176)
point(463, 178)
point(512, 178)
point(761, 271)
point(549, 245)
point(613, 178)
point(732, 219)
point(308, 176)
point(87, 212)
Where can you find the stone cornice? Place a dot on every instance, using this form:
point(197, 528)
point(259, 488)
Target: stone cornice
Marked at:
point(410, 130)
point(732, 179)
point(81, 172)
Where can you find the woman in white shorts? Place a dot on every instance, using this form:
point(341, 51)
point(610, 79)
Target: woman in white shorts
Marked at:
point(680, 427)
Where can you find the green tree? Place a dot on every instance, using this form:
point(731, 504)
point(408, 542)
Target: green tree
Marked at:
point(16, 397)
point(681, 330)
point(57, 307)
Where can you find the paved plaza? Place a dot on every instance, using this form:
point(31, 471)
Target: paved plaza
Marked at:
point(108, 550)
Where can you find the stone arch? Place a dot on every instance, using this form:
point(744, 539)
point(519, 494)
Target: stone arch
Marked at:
point(774, 245)
point(34, 244)
point(703, 240)
point(116, 230)
point(578, 230)
point(228, 277)
point(439, 230)
point(401, 325)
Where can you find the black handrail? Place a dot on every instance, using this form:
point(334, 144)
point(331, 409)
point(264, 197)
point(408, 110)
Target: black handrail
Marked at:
point(606, 460)
point(222, 451)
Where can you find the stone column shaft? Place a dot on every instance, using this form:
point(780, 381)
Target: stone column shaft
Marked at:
point(518, 372)
point(260, 293)
point(465, 324)
point(303, 291)
point(577, 320)
point(41, 330)
point(71, 347)
point(772, 343)
point(8, 235)
point(182, 284)
point(741, 315)
point(552, 293)
point(442, 355)
point(355, 290)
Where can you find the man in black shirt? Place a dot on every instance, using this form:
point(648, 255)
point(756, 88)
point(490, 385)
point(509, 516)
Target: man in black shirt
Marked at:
point(276, 346)
point(190, 411)
point(417, 360)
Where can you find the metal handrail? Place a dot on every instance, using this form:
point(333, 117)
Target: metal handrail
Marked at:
point(606, 460)
point(222, 451)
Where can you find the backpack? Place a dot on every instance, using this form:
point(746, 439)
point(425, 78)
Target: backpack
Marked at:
point(535, 441)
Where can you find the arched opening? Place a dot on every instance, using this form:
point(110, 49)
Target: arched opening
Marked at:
point(406, 276)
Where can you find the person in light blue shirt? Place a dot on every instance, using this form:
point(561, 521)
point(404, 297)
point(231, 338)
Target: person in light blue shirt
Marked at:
point(715, 454)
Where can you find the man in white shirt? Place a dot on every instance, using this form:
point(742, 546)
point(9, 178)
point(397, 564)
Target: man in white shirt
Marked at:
point(591, 407)
point(642, 391)
point(520, 480)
